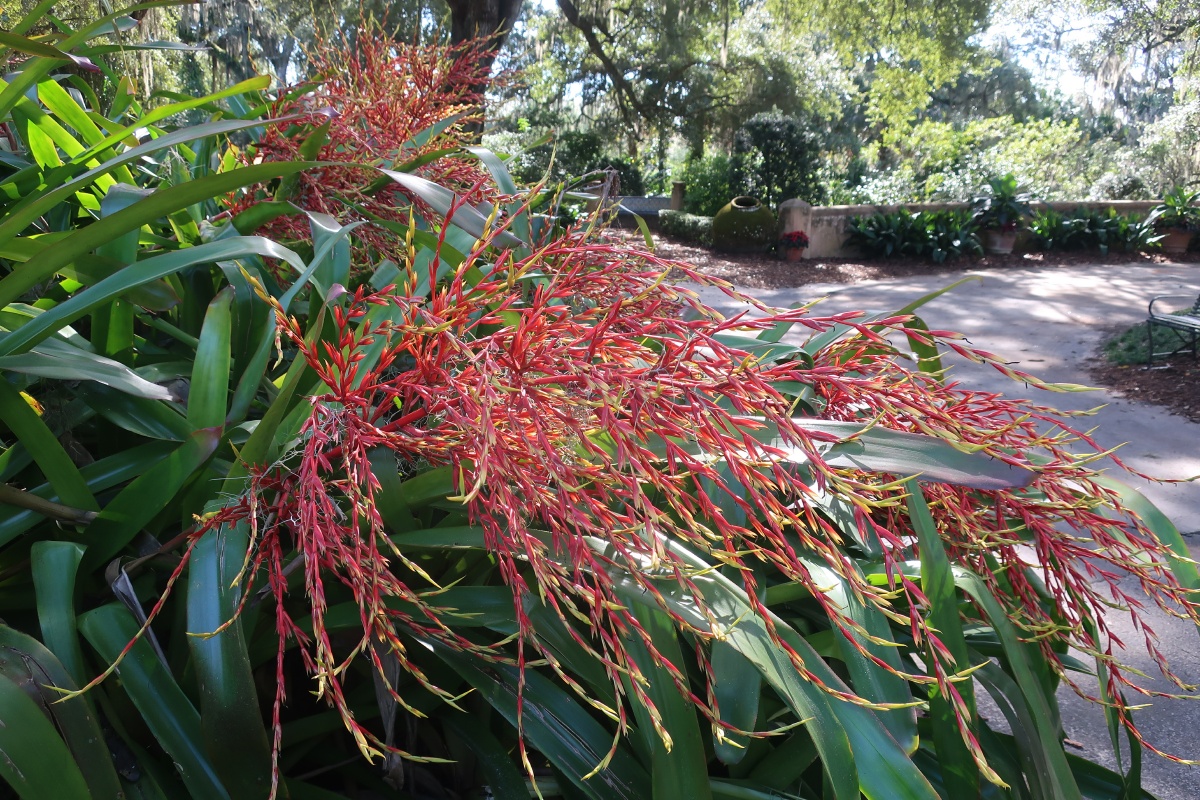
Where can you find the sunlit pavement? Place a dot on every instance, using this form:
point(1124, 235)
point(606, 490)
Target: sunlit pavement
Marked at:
point(1048, 321)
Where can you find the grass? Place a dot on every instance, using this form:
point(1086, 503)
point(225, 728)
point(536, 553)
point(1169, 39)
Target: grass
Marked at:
point(1128, 348)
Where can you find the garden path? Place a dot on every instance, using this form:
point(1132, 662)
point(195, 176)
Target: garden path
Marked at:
point(1049, 321)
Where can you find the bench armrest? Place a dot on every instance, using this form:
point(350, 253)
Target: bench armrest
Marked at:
point(1165, 297)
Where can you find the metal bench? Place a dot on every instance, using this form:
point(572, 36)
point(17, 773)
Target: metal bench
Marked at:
point(1185, 325)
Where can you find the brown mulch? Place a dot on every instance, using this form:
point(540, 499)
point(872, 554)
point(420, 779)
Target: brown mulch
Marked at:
point(1173, 384)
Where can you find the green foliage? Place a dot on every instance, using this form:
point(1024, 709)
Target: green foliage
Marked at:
point(708, 188)
point(934, 160)
point(775, 158)
point(1101, 231)
point(1002, 205)
point(1178, 209)
point(570, 155)
point(692, 228)
point(938, 235)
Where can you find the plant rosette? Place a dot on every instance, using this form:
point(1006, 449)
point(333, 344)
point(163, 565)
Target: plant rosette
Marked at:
point(1002, 206)
point(1178, 218)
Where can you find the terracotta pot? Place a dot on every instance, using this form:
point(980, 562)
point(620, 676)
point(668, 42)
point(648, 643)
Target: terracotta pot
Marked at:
point(1175, 241)
point(793, 254)
point(999, 242)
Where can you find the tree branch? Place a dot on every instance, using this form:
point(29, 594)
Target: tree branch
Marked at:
point(587, 27)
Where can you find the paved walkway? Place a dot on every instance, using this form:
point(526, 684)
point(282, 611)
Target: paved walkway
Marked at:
point(1049, 320)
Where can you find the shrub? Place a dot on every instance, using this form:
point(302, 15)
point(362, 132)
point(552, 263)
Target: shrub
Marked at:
point(938, 235)
point(707, 185)
point(1055, 159)
point(1002, 205)
point(1178, 209)
point(775, 158)
point(1092, 230)
point(691, 228)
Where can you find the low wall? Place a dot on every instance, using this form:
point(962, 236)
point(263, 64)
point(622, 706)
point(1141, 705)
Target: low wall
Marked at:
point(826, 226)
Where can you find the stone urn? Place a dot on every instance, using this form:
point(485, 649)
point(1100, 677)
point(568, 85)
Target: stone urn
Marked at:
point(744, 225)
point(1175, 241)
point(999, 242)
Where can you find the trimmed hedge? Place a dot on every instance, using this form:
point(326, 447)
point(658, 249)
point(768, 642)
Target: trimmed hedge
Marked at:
point(691, 228)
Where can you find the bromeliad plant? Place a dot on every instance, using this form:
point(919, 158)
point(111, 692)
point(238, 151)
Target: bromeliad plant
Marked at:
point(1002, 205)
point(1178, 209)
point(503, 505)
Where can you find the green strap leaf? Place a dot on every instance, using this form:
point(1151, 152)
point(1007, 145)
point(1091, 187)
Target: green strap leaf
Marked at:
point(442, 200)
point(136, 275)
point(1158, 523)
point(54, 567)
point(503, 777)
point(166, 710)
point(43, 445)
point(64, 362)
point(146, 496)
point(1062, 782)
point(959, 772)
point(558, 726)
point(36, 763)
point(902, 453)
point(679, 771)
point(737, 686)
point(857, 752)
point(148, 418)
point(163, 201)
point(208, 397)
point(29, 209)
point(870, 680)
point(35, 48)
point(100, 475)
point(232, 727)
point(31, 666)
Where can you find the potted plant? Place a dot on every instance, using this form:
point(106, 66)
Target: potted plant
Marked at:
point(792, 244)
point(1177, 218)
point(1000, 212)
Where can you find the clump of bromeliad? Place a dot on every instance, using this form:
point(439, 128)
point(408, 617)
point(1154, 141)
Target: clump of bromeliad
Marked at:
point(597, 420)
point(590, 423)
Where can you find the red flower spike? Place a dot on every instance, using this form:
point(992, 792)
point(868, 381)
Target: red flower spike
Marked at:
point(372, 103)
point(588, 409)
point(600, 349)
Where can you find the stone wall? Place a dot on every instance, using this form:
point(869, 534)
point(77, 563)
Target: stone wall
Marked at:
point(826, 225)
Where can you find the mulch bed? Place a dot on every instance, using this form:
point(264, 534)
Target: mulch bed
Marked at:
point(1173, 384)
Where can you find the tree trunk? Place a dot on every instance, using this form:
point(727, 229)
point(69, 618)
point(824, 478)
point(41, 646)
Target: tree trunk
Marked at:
point(473, 19)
